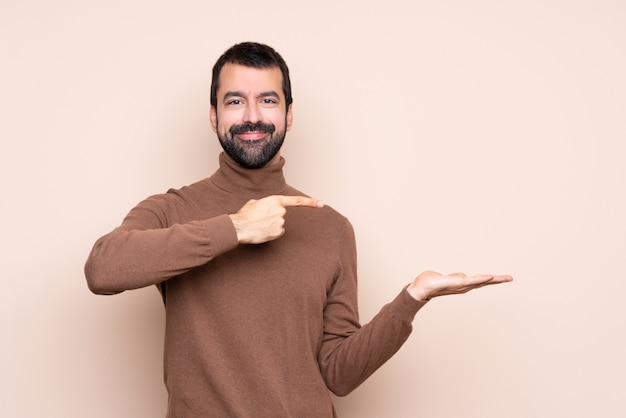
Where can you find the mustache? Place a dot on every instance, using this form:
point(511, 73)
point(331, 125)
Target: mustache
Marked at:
point(268, 128)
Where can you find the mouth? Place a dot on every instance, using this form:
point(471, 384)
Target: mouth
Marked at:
point(252, 131)
point(252, 136)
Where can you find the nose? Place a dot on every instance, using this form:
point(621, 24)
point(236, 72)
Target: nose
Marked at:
point(252, 113)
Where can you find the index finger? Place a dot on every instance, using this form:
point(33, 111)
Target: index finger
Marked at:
point(300, 201)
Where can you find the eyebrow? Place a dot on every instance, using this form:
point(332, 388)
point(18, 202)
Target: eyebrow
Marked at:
point(270, 93)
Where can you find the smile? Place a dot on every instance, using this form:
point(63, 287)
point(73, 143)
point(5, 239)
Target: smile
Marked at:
point(252, 136)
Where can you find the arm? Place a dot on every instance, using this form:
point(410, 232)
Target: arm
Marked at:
point(347, 360)
point(145, 250)
point(350, 353)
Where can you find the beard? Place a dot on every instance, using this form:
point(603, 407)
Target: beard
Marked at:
point(252, 153)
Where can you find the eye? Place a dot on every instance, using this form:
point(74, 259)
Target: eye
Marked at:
point(233, 102)
point(269, 101)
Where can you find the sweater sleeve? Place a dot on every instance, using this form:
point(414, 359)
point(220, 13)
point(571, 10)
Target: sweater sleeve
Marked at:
point(145, 250)
point(351, 353)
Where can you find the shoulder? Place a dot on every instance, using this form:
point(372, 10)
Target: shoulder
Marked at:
point(325, 221)
point(175, 201)
point(189, 192)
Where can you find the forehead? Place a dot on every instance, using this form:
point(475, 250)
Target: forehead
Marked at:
point(249, 80)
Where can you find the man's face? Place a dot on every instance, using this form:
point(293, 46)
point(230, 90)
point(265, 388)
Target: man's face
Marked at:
point(251, 118)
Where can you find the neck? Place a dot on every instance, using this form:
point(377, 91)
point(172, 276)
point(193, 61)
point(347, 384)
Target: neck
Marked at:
point(251, 183)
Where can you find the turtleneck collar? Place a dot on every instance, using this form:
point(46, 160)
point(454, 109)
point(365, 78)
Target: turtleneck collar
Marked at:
point(250, 183)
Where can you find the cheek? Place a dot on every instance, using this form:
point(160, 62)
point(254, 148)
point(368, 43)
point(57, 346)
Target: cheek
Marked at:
point(222, 124)
point(279, 119)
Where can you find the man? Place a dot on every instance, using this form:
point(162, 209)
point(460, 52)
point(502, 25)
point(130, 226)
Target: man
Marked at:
point(258, 279)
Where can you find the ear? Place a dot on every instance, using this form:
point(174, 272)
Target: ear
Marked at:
point(289, 116)
point(213, 117)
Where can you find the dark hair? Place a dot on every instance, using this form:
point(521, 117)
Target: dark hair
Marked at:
point(251, 54)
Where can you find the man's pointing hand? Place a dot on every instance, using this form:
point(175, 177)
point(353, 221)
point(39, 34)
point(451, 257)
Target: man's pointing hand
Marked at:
point(263, 220)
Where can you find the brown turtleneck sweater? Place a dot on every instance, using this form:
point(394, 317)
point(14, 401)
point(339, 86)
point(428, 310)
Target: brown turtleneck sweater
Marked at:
point(251, 330)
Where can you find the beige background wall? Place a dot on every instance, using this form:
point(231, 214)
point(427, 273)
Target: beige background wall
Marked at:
point(480, 136)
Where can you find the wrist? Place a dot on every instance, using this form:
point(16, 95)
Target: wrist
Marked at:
point(236, 224)
point(417, 293)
